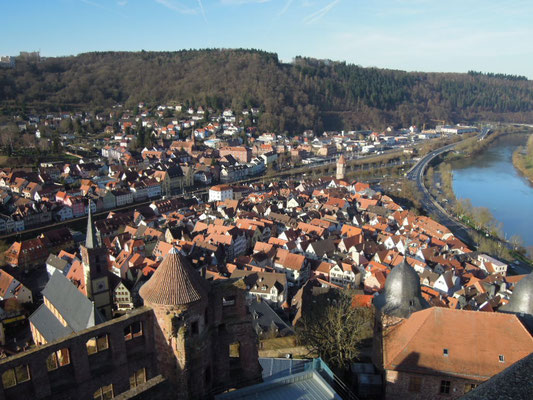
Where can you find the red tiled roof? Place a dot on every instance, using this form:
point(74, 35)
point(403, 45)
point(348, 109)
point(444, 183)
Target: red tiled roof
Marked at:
point(362, 300)
point(417, 344)
point(175, 282)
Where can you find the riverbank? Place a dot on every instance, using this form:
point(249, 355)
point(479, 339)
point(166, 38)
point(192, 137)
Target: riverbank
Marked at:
point(523, 159)
point(489, 193)
point(484, 229)
point(472, 146)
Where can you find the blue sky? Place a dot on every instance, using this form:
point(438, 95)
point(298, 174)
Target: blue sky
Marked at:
point(413, 35)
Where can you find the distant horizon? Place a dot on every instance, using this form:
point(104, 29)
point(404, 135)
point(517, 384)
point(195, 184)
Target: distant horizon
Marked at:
point(266, 51)
point(455, 36)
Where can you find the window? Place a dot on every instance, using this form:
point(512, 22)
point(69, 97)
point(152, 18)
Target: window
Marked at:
point(207, 375)
point(15, 376)
point(470, 386)
point(445, 387)
point(235, 349)
point(104, 393)
point(415, 383)
point(228, 301)
point(194, 328)
point(58, 359)
point(445, 352)
point(501, 358)
point(137, 378)
point(134, 330)
point(97, 344)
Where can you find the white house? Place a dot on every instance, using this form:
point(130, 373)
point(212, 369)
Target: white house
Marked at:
point(122, 197)
point(122, 299)
point(344, 275)
point(447, 283)
point(491, 265)
point(268, 286)
point(295, 266)
point(64, 212)
point(220, 193)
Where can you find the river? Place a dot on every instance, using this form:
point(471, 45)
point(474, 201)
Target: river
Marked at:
point(490, 180)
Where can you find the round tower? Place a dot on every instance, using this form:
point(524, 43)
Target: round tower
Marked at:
point(179, 297)
point(401, 298)
point(341, 167)
point(521, 301)
point(402, 295)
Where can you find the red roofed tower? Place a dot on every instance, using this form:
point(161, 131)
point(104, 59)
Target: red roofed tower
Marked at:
point(196, 324)
point(178, 296)
point(341, 167)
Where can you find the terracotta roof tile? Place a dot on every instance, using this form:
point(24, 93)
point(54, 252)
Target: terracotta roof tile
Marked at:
point(175, 282)
point(417, 343)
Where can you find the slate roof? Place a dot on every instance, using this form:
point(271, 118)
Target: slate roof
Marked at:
point(174, 282)
point(323, 247)
point(264, 318)
point(48, 325)
point(77, 310)
point(56, 262)
point(90, 242)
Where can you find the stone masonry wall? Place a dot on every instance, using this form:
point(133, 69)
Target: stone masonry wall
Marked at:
point(397, 386)
point(86, 373)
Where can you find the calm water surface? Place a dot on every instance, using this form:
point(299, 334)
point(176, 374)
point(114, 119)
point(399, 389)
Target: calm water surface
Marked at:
point(490, 180)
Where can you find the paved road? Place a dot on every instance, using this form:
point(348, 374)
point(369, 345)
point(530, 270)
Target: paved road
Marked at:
point(416, 174)
point(460, 230)
point(521, 268)
point(484, 133)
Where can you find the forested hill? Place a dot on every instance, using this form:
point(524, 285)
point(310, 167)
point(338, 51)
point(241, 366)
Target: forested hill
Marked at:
point(306, 93)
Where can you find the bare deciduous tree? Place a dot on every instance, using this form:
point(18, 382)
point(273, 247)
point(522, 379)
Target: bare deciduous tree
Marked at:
point(335, 332)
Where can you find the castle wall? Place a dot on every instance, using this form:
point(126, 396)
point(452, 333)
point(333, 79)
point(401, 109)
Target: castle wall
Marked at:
point(188, 345)
point(410, 386)
point(193, 342)
point(84, 374)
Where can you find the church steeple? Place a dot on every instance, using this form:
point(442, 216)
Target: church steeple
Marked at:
point(95, 266)
point(90, 241)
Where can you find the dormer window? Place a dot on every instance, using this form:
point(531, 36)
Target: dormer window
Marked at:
point(445, 352)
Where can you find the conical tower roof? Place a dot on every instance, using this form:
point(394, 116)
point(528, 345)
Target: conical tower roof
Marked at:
point(174, 282)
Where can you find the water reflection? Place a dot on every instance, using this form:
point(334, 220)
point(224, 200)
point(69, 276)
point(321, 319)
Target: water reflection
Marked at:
point(490, 180)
